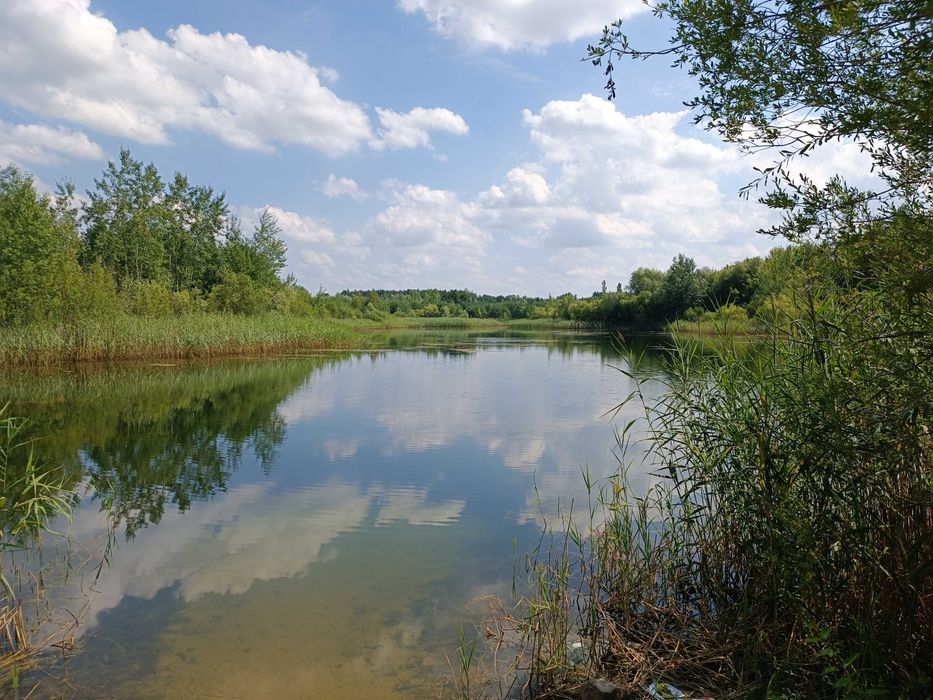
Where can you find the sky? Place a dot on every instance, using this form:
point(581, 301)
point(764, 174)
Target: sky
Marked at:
point(400, 143)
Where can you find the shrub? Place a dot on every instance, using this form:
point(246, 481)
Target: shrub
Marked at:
point(89, 292)
point(147, 298)
point(238, 293)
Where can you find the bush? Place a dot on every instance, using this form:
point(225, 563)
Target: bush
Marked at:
point(293, 300)
point(35, 249)
point(89, 292)
point(187, 302)
point(147, 298)
point(239, 294)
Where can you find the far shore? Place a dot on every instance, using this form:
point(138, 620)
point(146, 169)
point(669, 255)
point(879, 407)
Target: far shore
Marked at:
point(128, 338)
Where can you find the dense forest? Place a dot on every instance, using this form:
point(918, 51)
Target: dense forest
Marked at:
point(143, 245)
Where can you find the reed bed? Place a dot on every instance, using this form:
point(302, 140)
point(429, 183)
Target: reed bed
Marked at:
point(786, 547)
point(189, 336)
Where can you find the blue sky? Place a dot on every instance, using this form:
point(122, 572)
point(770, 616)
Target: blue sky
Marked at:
point(401, 143)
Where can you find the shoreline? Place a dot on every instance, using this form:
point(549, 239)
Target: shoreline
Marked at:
point(125, 338)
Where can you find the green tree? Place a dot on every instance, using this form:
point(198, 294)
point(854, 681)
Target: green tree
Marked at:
point(239, 293)
point(125, 219)
point(260, 257)
point(271, 251)
point(685, 287)
point(788, 76)
point(645, 280)
point(196, 219)
point(736, 283)
point(37, 250)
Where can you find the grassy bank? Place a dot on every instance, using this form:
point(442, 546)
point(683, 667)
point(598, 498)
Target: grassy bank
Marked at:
point(201, 335)
point(126, 337)
point(419, 323)
point(725, 321)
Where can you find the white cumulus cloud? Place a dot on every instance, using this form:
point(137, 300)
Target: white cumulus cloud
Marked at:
point(520, 24)
point(335, 186)
point(295, 227)
point(316, 259)
point(603, 193)
point(413, 129)
point(61, 60)
point(44, 145)
point(427, 218)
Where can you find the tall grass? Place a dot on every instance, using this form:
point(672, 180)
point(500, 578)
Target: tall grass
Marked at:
point(788, 549)
point(196, 335)
point(31, 497)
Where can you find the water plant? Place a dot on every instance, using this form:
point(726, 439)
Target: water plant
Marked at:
point(31, 498)
point(786, 547)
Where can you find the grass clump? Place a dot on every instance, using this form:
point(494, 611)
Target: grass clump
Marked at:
point(31, 497)
point(122, 336)
point(786, 550)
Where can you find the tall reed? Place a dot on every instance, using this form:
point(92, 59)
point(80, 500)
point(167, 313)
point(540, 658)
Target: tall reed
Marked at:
point(32, 496)
point(787, 549)
point(195, 335)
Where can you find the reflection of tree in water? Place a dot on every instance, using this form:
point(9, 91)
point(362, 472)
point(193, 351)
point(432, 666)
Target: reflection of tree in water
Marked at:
point(147, 437)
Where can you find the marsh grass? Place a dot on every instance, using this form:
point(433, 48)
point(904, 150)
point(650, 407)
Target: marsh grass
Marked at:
point(32, 496)
point(786, 548)
point(195, 335)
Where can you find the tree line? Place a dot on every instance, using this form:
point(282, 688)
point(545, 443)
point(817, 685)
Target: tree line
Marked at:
point(136, 244)
point(141, 244)
point(649, 300)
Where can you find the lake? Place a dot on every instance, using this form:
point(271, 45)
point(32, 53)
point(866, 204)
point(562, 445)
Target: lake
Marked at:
point(316, 526)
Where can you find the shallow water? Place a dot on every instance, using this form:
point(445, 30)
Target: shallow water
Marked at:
point(314, 526)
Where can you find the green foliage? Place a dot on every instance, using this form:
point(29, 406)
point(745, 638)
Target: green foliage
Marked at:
point(122, 336)
point(684, 287)
point(180, 237)
point(787, 551)
point(196, 220)
point(146, 298)
point(35, 248)
point(239, 293)
point(125, 221)
point(736, 283)
point(791, 76)
point(646, 280)
point(89, 292)
point(293, 299)
point(136, 246)
point(30, 495)
point(261, 256)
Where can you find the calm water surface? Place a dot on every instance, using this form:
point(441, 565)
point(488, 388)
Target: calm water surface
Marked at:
point(312, 526)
